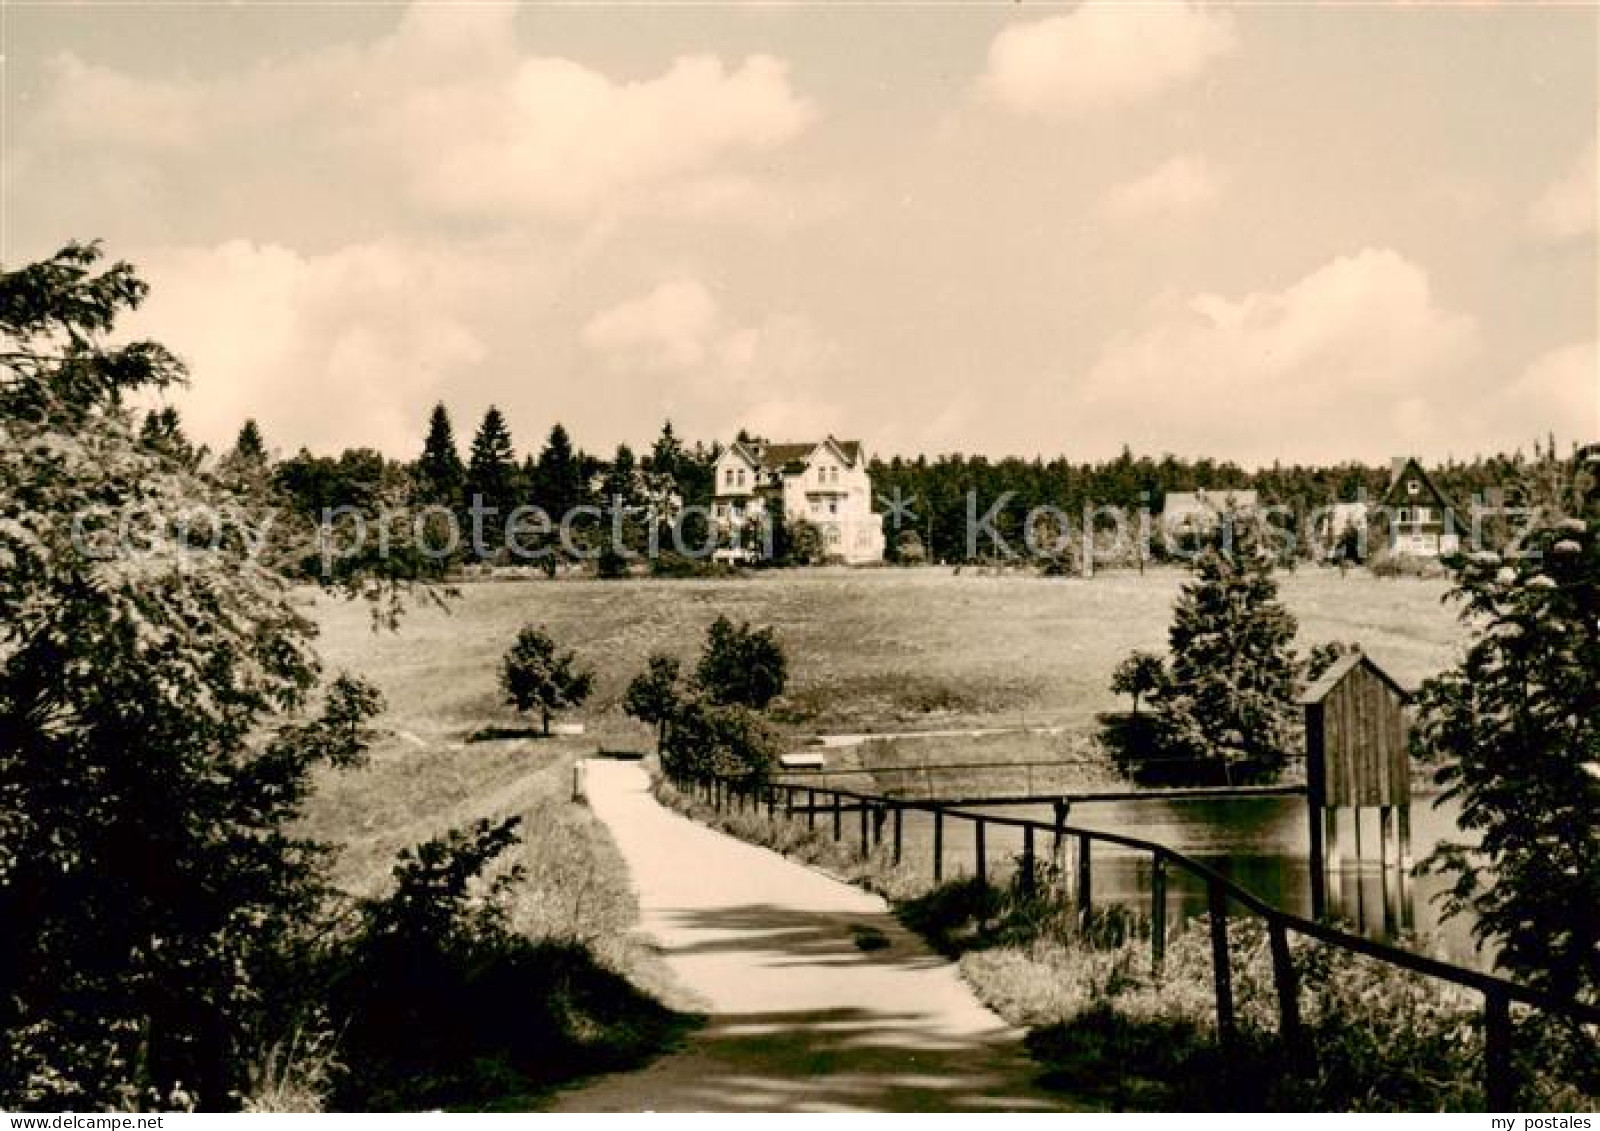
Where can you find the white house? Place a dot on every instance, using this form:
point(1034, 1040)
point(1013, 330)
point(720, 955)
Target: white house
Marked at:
point(1199, 511)
point(823, 482)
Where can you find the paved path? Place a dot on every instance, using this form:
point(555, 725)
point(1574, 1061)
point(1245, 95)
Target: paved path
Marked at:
point(802, 1017)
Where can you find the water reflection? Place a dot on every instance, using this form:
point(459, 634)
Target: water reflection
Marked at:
point(1261, 843)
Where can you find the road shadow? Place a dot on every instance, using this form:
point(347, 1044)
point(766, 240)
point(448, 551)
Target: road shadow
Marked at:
point(852, 1059)
point(785, 936)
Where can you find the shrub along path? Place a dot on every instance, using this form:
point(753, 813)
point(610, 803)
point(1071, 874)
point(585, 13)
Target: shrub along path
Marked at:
point(817, 998)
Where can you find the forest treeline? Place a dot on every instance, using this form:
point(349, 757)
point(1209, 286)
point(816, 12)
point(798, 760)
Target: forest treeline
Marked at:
point(937, 497)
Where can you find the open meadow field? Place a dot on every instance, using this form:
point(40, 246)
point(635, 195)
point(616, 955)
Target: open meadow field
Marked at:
point(869, 651)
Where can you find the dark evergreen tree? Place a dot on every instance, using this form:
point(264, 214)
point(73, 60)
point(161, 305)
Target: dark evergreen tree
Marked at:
point(492, 468)
point(621, 479)
point(439, 473)
point(667, 454)
point(1228, 700)
point(249, 445)
point(162, 431)
point(559, 483)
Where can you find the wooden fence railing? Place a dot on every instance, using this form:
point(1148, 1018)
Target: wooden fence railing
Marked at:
point(876, 813)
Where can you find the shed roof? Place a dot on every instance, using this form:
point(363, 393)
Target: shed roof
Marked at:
point(1343, 666)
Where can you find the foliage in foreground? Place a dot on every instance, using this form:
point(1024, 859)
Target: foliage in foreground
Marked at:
point(1516, 727)
point(1376, 1038)
point(448, 1005)
point(161, 713)
point(171, 939)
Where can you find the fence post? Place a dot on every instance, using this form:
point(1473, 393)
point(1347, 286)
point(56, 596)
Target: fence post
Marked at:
point(1499, 1088)
point(1222, 972)
point(1288, 985)
point(788, 802)
point(772, 802)
point(1158, 912)
point(1027, 858)
point(838, 816)
point(983, 872)
point(811, 808)
point(898, 832)
point(1085, 878)
point(938, 845)
point(866, 832)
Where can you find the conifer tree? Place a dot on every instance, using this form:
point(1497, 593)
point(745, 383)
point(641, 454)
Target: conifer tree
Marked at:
point(249, 445)
point(1228, 701)
point(491, 469)
point(559, 472)
point(440, 475)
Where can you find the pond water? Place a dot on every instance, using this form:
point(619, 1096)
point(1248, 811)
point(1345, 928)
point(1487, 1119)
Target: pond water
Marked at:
point(1261, 843)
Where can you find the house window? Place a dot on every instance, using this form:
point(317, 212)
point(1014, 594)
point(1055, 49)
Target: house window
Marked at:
point(1413, 487)
point(833, 506)
point(1421, 515)
point(741, 477)
point(833, 535)
point(727, 477)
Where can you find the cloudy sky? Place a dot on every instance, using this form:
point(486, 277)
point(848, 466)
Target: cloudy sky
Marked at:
point(1287, 231)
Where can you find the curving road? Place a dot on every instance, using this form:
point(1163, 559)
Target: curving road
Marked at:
point(817, 998)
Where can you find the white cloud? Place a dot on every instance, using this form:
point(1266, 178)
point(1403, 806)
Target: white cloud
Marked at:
point(1102, 54)
point(1566, 209)
point(770, 375)
point(1181, 184)
point(555, 135)
point(332, 350)
point(669, 329)
point(1558, 392)
point(1327, 368)
point(449, 107)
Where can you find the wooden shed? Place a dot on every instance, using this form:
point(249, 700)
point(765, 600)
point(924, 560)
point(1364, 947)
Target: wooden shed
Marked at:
point(1356, 744)
point(1357, 757)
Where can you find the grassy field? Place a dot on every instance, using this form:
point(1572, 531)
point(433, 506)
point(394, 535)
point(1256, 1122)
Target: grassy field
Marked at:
point(870, 650)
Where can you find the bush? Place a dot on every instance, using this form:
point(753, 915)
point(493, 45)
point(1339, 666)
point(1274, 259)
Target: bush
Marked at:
point(1387, 564)
point(441, 1003)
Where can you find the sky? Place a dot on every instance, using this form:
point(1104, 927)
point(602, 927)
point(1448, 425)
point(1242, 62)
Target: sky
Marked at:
point(1286, 232)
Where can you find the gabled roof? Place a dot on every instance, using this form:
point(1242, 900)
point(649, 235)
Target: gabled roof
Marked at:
point(777, 456)
point(738, 448)
point(1342, 667)
point(1402, 468)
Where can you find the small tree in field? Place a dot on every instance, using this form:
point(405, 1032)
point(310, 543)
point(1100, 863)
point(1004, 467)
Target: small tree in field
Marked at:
point(1139, 676)
point(742, 665)
point(1517, 725)
point(537, 677)
point(653, 695)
